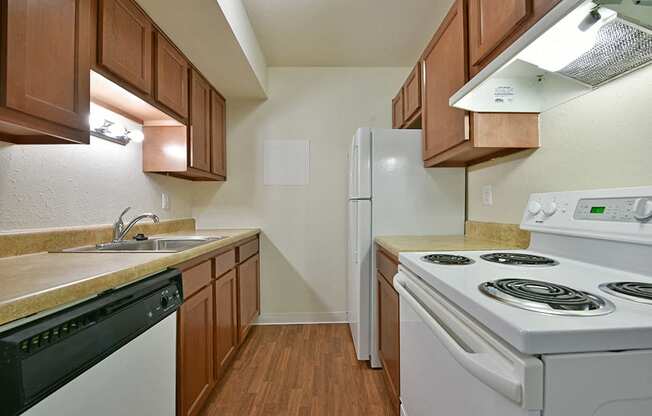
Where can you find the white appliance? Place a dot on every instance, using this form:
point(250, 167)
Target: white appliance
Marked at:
point(138, 379)
point(563, 328)
point(112, 354)
point(391, 193)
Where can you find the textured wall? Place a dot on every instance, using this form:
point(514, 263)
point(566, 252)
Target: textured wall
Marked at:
point(304, 242)
point(60, 185)
point(600, 140)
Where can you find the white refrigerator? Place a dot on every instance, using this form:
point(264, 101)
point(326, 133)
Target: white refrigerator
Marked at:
point(391, 193)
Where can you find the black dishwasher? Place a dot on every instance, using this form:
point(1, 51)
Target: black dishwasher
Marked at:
point(41, 356)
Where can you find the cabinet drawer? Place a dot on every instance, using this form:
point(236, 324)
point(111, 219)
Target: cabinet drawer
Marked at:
point(195, 278)
point(247, 250)
point(224, 262)
point(386, 266)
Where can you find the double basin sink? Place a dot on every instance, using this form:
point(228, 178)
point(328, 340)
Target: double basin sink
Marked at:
point(152, 245)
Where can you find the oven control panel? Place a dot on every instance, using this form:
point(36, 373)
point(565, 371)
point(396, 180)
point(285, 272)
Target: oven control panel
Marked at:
point(622, 214)
point(610, 209)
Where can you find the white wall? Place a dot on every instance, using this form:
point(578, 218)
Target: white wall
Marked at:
point(600, 140)
point(304, 241)
point(61, 185)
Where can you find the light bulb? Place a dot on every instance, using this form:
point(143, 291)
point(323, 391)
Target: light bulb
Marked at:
point(136, 136)
point(566, 41)
point(116, 130)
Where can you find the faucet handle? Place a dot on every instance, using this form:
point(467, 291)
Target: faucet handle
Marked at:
point(123, 214)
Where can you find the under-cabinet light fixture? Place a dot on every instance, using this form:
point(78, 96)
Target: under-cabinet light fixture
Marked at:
point(107, 125)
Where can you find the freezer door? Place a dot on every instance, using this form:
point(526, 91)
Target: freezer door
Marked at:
point(360, 165)
point(359, 275)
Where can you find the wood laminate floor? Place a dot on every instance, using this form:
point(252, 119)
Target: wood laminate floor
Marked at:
point(299, 370)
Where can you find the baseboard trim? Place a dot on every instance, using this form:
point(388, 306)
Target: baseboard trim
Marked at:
point(305, 318)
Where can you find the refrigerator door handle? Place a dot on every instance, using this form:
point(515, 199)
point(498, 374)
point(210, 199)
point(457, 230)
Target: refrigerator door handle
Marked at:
point(356, 231)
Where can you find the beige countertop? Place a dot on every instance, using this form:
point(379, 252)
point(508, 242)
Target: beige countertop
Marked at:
point(36, 282)
point(402, 243)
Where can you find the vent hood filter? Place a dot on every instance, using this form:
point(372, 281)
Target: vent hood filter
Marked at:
point(619, 48)
point(576, 47)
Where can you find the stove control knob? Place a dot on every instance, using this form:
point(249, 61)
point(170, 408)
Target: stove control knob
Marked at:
point(643, 209)
point(550, 208)
point(534, 208)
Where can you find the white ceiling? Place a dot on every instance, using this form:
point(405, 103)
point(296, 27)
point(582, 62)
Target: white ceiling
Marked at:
point(344, 32)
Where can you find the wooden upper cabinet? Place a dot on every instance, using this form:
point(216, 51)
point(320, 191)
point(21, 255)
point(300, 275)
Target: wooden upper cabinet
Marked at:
point(195, 352)
point(397, 110)
point(445, 72)
point(171, 80)
point(218, 134)
point(496, 24)
point(47, 63)
point(491, 21)
point(226, 321)
point(412, 93)
point(125, 42)
point(200, 141)
point(249, 293)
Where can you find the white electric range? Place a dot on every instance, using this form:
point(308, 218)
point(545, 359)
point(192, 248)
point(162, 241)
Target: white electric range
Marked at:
point(562, 328)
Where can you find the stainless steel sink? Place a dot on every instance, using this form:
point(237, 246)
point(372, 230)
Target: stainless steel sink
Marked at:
point(153, 245)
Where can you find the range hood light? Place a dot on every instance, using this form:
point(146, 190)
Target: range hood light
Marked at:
point(569, 39)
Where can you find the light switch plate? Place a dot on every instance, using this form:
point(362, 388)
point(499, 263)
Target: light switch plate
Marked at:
point(487, 195)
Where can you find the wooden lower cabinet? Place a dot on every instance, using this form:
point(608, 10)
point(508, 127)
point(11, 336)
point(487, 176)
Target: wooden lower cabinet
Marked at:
point(248, 294)
point(222, 299)
point(388, 337)
point(388, 327)
point(226, 321)
point(195, 354)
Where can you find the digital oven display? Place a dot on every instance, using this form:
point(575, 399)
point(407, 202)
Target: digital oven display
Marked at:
point(598, 210)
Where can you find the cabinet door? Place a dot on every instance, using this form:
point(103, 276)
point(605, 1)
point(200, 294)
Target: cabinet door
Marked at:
point(445, 70)
point(171, 77)
point(195, 351)
point(226, 321)
point(495, 24)
point(218, 134)
point(491, 21)
point(248, 294)
point(200, 145)
point(397, 110)
point(412, 93)
point(125, 42)
point(48, 60)
point(388, 336)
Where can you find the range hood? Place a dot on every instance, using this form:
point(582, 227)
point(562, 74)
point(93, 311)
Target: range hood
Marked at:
point(577, 47)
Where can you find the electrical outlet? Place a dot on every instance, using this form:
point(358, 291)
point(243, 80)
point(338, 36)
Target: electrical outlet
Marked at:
point(165, 202)
point(487, 195)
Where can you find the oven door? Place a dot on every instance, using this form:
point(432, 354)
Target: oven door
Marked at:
point(450, 365)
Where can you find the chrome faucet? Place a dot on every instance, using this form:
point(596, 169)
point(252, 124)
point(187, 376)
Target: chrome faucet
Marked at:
point(120, 230)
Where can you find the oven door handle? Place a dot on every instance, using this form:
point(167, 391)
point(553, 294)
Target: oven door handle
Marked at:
point(488, 363)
